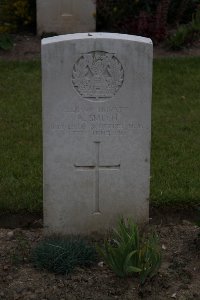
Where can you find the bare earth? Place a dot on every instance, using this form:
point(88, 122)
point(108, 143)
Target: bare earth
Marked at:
point(178, 278)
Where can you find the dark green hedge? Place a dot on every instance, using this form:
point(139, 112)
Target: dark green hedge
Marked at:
point(151, 18)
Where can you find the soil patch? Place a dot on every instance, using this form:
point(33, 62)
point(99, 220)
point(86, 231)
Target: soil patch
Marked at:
point(25, 47)
point(178, 278)
point(161, 215)
point(25, 220)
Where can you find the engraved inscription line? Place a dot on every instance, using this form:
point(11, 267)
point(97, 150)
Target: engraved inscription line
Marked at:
point(97, 167)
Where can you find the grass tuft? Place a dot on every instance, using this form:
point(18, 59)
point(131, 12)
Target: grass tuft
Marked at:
point(6, 42)
point(186, 34)
point(62, 254)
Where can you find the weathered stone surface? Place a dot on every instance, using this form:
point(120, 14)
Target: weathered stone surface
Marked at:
point(65, 16)
point(97, 130)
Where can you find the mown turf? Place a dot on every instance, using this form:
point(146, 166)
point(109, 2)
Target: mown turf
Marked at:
point(175, 170)
point(21, 137)
point(176, 132)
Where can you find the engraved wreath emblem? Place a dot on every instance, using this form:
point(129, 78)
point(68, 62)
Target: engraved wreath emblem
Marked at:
point(97, 75)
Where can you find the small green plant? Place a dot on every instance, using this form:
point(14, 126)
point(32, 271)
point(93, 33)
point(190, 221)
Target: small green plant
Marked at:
point(185, 34)
point(61, 255)
point(149, 258)
point(128, 254)
point(6, 42)
point(177, 40)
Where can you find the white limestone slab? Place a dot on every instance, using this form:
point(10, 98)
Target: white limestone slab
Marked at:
point(65, 16)
point(96, 130)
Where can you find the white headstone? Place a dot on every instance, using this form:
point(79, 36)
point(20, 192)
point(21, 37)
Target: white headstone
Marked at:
point(65, 16)
point(97, 130)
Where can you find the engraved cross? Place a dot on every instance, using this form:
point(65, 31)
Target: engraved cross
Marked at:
point(97, 167)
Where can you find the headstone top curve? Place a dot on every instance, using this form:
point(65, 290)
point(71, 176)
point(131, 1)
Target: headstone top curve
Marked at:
point(96, 35)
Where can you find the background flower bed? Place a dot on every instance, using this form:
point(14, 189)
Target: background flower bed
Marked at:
point(17, 16)
point(152, 18)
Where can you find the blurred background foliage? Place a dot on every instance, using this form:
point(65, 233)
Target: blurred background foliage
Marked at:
point(156, 19)
point(17, 16)
point(152, 18)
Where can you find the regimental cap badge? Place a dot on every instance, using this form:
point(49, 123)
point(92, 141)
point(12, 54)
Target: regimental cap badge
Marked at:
point(97, 75)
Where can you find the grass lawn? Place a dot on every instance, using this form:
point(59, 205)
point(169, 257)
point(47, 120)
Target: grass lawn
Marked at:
point(21, 137)
point(175, 169)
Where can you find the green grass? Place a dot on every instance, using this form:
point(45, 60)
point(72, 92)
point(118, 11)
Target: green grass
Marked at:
point(21, 137)
point(176, 132)
point(175, 170)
